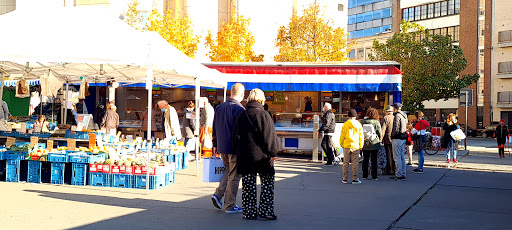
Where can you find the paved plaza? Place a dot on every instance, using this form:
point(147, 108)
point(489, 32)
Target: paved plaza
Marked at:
point(475, 194)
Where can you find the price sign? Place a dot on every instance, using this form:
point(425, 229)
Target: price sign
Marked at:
point(49, 145)
point(92, 140)
point(34, 140)
point(23, 128)
point(71, 144)
point(10, 141)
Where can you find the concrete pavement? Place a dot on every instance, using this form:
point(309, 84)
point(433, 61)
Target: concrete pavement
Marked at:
point(475, 194)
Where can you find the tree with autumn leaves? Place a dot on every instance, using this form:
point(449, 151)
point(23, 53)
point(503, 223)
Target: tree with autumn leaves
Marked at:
point(311, 38)
point(431, 65)
point(234, 42)
point(176, 30)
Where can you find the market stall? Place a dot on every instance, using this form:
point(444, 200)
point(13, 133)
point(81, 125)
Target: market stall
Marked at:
point(99, 49)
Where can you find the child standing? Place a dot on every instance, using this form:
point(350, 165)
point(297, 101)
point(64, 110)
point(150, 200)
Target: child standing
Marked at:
point(352, 141)
point(409, 143)
point(500, 135)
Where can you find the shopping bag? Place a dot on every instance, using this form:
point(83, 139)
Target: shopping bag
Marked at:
point(213, 169)
point(207, 143)
point(458, 135)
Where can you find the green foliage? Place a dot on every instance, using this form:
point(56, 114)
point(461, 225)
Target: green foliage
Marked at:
point(431, 65)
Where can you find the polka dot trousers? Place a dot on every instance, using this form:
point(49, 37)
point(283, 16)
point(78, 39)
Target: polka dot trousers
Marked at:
point(249, 196)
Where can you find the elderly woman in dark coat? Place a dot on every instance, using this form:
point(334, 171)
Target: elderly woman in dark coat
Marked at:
point(255, 143)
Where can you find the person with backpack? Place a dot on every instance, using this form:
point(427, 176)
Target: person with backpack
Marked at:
point(399, 136)
point(420, 132)
point(352, 141)
point(328, 126)
point(372, 135)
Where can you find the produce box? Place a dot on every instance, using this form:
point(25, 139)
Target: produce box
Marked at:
point(95, 168)
point(99, 179)
point(15, 155)
point(106, 168)
point(115, 169)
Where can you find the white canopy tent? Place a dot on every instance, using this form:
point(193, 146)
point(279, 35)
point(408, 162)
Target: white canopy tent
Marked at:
point(97, 45)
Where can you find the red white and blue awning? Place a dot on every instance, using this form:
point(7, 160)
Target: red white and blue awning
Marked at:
point(347, 77)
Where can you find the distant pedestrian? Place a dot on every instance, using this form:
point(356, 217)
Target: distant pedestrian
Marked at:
point(409, 144)
point(501, 133)
point(448, 141)
point(189, 125)
point(352, 142)
point(256, 144)
point(371, 143)
point(399, 137)
point(387, 126)
point(420, 129)
point(328, 126)
point(110, 121)
point(223, 123)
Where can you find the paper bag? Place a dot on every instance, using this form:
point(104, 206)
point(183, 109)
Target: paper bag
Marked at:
point(213, 169)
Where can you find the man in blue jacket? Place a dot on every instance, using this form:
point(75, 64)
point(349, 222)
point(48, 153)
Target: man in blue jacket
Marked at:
point(223, 123)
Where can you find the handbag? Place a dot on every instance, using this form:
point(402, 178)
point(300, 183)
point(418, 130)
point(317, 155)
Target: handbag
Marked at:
point(458, 135)
point(213, 169)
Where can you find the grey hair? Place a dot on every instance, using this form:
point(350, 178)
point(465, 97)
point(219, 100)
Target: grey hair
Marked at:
point(256, 95)
point(328, 105)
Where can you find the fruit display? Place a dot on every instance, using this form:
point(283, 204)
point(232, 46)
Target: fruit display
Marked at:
point(23, 148)
point(62, 148)
point(39, 155)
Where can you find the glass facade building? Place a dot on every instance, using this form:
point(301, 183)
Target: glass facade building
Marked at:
point(369, 17)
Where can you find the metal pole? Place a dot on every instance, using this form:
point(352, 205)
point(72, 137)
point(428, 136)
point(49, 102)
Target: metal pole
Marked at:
point(196, 132)
point(149, 86)
point(2, 92)
point(66, 103)
point(225, 89)
point(315, 138)
point(466, 128)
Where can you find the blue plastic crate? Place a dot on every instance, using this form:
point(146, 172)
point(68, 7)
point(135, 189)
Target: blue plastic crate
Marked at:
point(99, 179)
point(28, 135)
point(157, 181)
point(171, 158)
point(77, 135)
point(79, 176)
point(15, 155)
point(121, 180)
point(8, 133)
point(12, 171)
point(2, 155)
point(179, 161)
point(169, 178)
point(61, 156)
point(78, 157)
point(34, 172)
point(57, 173)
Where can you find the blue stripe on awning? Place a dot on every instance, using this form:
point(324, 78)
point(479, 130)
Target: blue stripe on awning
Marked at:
point(342, 87)
point(30, 82)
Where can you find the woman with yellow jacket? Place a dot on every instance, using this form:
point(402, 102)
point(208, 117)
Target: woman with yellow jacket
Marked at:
point(352, 141)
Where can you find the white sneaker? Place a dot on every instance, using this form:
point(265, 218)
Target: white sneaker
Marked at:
point(356, 181)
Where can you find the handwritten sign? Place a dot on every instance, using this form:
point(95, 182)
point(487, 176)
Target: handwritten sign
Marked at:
point(49, 145)
point(92, 140)
point(34, 140)
point(9, 127)
point(71, 144)
point(10, 141)
point(23, 128)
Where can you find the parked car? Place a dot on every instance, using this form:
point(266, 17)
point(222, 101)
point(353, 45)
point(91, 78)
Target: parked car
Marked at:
point(487, 131)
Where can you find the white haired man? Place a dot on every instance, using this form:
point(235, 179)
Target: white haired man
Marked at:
point(171, 123)
point(328, 126)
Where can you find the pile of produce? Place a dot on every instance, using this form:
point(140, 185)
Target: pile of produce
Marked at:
point(23, 148)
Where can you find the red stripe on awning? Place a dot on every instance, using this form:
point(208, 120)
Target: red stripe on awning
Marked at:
point(331, 70)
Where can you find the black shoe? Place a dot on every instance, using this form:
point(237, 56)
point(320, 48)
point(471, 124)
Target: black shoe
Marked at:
point(269, 217)
point(417, 171)
point(328, 164)
point(402, 178)
point(250, 218)
point(393, 178)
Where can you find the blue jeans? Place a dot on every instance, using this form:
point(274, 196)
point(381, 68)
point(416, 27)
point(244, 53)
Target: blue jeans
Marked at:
point(451, 148)
point(399, 157)
point(421, 153)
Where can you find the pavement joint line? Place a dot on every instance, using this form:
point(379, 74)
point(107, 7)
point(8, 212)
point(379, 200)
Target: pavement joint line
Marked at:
point(478, 187)
point(471, 210)
point(392, 225)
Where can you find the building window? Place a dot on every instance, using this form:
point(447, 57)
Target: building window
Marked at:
point(359, 34)
point(444, 8)
point(386, 13)
point(505, 97)
point(405, 15)
point(360, 53)
point(457, 6)
point(360, 2)
point(417, 13)
point(368, 52)
point(424, 12)
point(376, 14)
point(352, 3)
point(368, 16)
point(359, 18)
point(455, 34)
point(376, 30)
point(352, 54)
point(437, 9)
point(367, 32)
point(351, 19)
point(505, 36)
point(451, 7)
point(430, 13)
point(505, 67)
point(340, 7)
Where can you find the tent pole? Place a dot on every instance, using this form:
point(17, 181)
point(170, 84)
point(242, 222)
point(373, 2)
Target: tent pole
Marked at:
point(66, 103)
point(2, 92)
point(196, 132)
point(225, 88)
point(149, 86)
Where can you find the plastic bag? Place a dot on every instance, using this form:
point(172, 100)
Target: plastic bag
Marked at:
point(207, 143)
point(458, 135)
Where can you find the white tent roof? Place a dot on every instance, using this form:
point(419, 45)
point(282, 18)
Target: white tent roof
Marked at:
point(96, 44)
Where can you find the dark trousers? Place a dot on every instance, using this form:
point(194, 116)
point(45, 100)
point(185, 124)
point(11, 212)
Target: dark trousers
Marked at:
point(390, 164)
point(367, 154)
point(501, 146)
point(249, 196)
point(327, 146)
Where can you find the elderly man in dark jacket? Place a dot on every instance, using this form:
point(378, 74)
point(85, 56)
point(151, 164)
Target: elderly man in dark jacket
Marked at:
point(222, 132)
point(387, 126)
point(328, 126)
point(256, 144)
point(399, 136)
